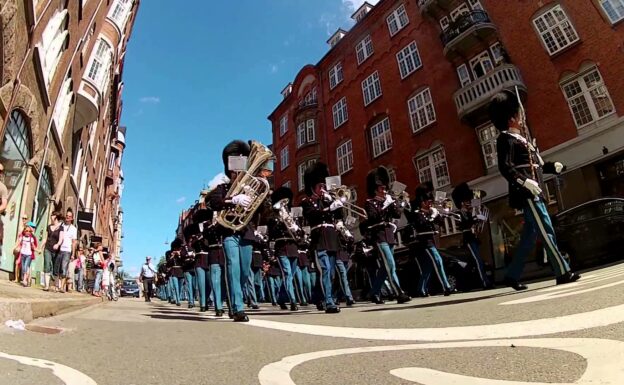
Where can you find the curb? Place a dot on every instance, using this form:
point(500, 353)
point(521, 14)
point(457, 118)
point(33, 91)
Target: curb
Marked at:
point(30, 310)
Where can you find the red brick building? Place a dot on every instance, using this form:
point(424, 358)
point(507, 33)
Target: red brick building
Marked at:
point(407, 87)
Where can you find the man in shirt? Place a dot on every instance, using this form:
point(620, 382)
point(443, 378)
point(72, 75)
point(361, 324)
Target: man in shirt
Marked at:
point(68, 247)
point(4, 201)
point(148, 271)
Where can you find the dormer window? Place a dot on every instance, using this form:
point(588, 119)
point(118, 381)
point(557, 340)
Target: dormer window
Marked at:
point(361, 12)
point(335, 38)
point(287, 90)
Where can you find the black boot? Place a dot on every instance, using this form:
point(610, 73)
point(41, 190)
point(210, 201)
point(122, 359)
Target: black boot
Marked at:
point(255, 306)
point(240, 317)
point(283, 306)
point(294, 307)
point(403, 298)
point(515, 284)
point(202, 309)
point(304, 304)
point(377, 300)
point(350, 302)
point(320, 306)
point(568, 277)
point(332, 310)
point(219, 313)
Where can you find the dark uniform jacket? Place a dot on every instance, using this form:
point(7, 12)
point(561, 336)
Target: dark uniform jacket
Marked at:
point(466, 224)
point(321, 220)
point(424, 226)
point(216, 201)
point(285, 244)
point(188, 260)
point(379, 220)
point(514, 164)
point(174, 263)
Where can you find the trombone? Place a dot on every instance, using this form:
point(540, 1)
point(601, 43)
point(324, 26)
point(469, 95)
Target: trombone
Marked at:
point(343, 194)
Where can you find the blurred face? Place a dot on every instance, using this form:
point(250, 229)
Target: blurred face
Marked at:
point(28, 230)
point(381, 191)
point(426, 205)
point(69, 218)
point(318, 188)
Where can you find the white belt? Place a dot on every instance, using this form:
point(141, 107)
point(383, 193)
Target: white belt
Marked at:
point(427, 233)
point(322, 225)
point(284, 239)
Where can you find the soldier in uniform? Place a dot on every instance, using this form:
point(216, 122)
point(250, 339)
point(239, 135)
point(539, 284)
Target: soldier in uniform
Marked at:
point(176, 271)
point(381, 209)
point(188, 266)
point(238, 246)
point(462, 197)
point(302, 273)
point(200, 247)
point(254, 282)
point(322, 212)
point(424, 218)
point(520, 163)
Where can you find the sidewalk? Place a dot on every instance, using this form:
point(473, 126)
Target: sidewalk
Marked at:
point(29, 303)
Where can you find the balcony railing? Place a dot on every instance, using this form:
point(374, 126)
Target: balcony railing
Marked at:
point(462, 24)
point(478, 93)
point(308, 103)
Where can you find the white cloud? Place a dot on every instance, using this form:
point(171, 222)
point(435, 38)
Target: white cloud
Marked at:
point(150, 99)
point(274, 68)
point(181, 200)
point(217, 180)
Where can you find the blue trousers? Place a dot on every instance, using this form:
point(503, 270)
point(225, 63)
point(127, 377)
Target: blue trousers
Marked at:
point(238, 268)
point(250, 290)
point(190, 286)
point(430, 261)
point(257, 284)
point(343, 281)
point(387, 270)
point(287, 290)
point(202, 276)
point(537, 223)
point(175, 289)
point(325, 262)
point(215, 286)
point(473, 247)
point(274, 287)
point(302, 277)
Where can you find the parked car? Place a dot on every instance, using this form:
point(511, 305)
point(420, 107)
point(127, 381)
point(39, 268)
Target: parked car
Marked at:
point(130, 289)
point(591, 232)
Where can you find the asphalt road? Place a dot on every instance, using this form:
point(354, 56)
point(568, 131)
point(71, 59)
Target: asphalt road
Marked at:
point(570, 334)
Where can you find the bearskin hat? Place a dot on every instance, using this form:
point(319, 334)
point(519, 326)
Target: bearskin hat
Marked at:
point(314, 175)
point(167, 254)
point(190, 230)
point(282, 193)
point(377, 177)
point(234, 148)
point(202, 215)
point(461, 193)
point(423, 193)
point(176, 244)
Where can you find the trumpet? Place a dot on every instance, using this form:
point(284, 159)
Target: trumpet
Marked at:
point(286, 218)
point(343, 194)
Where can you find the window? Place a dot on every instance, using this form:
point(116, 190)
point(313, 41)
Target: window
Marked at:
point(63, 103)
point(100, 64)
point(83, 183)
point(588, 98)
point(305, 132)
point(391, 174)
point(371, 88)
point(614, 9)
point(120, 11)
point(89, 196)
point(487, 138)
point(283, 124)
point(444, 23)
point(397, 20)
point(409, 59)
point(340, 112)
point(44, 195)
point(475, 5)
point(53, 44)
point(301, 169)
point(432, 167)
point(555, 29)
point(284, 158)
point(459, 11)
point(92, 135)
point(111, 163)
point(481, 64)
point(344, 155)
point(381, 137)
point(335, 76)
point(464, 75)
point(421, 110)
point(497, 53)
point(77, 162)
point(364, 49)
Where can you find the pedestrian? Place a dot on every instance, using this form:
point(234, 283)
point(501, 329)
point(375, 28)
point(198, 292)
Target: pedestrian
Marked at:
point(381, 210)
point(80, 269)
point(25, 247)
point(520, 163)
point(98, 266)
point(148, 272)
point(54, 238)
point(67, 249)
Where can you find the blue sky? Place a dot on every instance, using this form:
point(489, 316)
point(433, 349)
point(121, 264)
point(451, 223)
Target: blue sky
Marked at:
point(195, 78)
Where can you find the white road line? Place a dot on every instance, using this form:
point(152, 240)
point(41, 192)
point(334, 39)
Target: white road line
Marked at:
point(544, 297)
point(604, 358)
point(66, 374)
point(572, 322)
point(582, 282)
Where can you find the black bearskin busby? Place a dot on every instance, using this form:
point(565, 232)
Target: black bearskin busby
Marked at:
point(190, 230)
point(314, 175)
point(424, 192)
point(234, 148)
point(375, 178)
point(202, 215)
point(177, 244)
point(282, 193)
point(463, 193)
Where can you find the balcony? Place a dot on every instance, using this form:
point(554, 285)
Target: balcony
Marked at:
point(87, 105)
point(471, 99)
point(430, 6)
point(306, 104)
point(466, 32)
point(109, 178)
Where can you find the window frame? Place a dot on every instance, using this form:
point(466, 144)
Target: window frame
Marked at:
point(558, 26)
point(398, 17)
point(480, 59)
point(493, 132)
point(336, 75)
point(431, 167)
point(344, 157)
point(377, 136)
point(306, 132)
point(301, 169)
point(427, 106)
point(284, 154)
point(363, 46)
point(340, 112)
point(375, 84)
point(463, 83)
point(614, 9)
point(586, 96)
point(409, 53)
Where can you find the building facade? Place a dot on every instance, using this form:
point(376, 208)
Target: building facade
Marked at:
point(60, 103)
point(408, 87)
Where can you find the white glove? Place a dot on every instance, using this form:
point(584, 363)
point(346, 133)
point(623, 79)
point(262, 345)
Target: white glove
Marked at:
point(327, 197)
point(336, 205)
point(241, 200)
point(532, 186)
point(481, 217)
point(558, 167)
point(388, 201)
point(347, 234)
point(434, 212)
point(277, 206)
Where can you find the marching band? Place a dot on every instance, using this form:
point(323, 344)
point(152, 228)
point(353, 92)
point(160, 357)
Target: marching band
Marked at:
point(246, 244)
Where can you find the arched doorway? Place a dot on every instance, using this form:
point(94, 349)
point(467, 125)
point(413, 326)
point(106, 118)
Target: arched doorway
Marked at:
point(16, 152)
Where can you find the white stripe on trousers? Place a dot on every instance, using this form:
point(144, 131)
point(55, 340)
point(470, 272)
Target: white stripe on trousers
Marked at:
point(279, 262)
point(390, 278)
point(320, 270)
point(547, 240)
point(435, 267)
point(477, 262)
point(227, 286)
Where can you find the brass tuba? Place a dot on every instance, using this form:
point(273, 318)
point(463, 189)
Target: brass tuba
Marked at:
point(247, 182)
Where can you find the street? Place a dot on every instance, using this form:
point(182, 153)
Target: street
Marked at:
point(570, 334)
